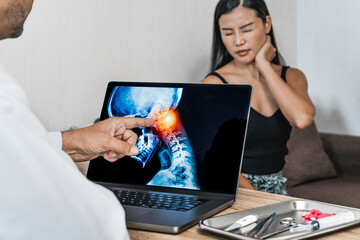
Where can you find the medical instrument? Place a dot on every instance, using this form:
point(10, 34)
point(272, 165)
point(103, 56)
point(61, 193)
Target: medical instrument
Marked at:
point(289, 221)
point(242, 222)
point(331, 221)
point(262, 226)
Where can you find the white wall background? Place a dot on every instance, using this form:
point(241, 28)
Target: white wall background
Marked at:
point(71, 49)
point(329, 54)
point(284, 21)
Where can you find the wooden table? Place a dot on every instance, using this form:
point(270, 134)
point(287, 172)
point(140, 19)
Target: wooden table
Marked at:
point(247, 199)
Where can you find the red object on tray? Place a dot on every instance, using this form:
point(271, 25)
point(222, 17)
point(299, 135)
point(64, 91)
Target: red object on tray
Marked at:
point(315, 214)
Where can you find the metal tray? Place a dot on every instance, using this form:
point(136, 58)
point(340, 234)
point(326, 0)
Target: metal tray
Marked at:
point(292, 208)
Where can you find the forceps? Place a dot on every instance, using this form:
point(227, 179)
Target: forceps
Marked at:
point(262, 227)
point(288, 221)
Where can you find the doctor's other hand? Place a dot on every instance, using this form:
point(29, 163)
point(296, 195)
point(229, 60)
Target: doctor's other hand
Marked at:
point(111, 138)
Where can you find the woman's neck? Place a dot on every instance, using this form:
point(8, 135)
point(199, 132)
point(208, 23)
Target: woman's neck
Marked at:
point(246, 69)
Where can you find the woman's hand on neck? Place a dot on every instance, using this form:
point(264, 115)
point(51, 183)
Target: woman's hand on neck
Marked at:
point(265, 55)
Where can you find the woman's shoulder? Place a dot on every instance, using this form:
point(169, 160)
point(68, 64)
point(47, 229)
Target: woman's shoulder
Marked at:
point(296, 78)
point(294, 74)
point(214, 77)
point(291, 74)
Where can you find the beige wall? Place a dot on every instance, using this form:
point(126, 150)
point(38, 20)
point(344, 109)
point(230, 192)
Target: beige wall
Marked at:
point(71, 48)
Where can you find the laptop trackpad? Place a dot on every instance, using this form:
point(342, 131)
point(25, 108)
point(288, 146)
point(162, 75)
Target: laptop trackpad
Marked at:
point(133, 212)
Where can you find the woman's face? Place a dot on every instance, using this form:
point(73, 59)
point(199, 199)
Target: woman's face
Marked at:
point(243, 33)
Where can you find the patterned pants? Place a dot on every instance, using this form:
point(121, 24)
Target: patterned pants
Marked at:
point(271, 183)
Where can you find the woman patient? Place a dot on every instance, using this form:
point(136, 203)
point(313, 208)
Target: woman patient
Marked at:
point(245, 52)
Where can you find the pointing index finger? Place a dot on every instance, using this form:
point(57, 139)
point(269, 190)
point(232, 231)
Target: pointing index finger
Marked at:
point(133, 122)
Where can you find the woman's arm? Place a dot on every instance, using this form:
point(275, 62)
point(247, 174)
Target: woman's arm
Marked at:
point(292, 97)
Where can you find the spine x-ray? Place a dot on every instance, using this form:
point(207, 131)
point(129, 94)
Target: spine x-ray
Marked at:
point(167, 139)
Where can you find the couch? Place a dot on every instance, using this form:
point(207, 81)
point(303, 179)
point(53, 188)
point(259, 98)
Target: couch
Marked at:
point(339, 181)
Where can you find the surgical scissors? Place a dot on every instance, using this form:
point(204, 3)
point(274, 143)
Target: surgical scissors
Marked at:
point(288, 221)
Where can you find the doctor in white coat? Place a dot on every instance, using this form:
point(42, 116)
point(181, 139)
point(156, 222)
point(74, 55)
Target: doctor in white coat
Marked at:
point(42, 193)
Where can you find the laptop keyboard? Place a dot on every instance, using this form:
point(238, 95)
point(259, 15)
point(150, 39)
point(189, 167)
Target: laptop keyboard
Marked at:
point(157, 201)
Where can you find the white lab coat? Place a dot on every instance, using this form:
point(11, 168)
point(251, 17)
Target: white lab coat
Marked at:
point(42, 193)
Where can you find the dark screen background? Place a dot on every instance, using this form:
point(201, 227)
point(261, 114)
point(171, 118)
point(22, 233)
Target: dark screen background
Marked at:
point(214, 118)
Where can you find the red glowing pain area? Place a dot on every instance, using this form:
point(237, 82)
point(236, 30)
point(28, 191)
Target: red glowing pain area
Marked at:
point(167, 120)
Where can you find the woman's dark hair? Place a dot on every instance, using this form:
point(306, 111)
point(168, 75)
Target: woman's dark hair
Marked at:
point(220, 56)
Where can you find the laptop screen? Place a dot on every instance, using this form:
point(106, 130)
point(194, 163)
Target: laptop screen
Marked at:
point(197, 140)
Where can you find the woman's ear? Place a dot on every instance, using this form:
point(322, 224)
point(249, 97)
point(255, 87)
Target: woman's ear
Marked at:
point(268, 24)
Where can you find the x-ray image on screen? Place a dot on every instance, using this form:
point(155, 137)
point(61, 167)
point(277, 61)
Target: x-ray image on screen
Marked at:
point(196, 143)
point(167, 141)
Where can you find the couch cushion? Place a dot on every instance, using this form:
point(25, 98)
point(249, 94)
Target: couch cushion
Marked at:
point(306, 160)
point(344, 152)
point(335, 190)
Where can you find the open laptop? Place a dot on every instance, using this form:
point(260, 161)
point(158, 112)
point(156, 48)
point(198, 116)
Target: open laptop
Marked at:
point(189, 162)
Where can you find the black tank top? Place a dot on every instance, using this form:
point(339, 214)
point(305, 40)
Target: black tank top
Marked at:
point(265, 146)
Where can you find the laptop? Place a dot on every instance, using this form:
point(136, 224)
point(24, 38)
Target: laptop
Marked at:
point(189, 162)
